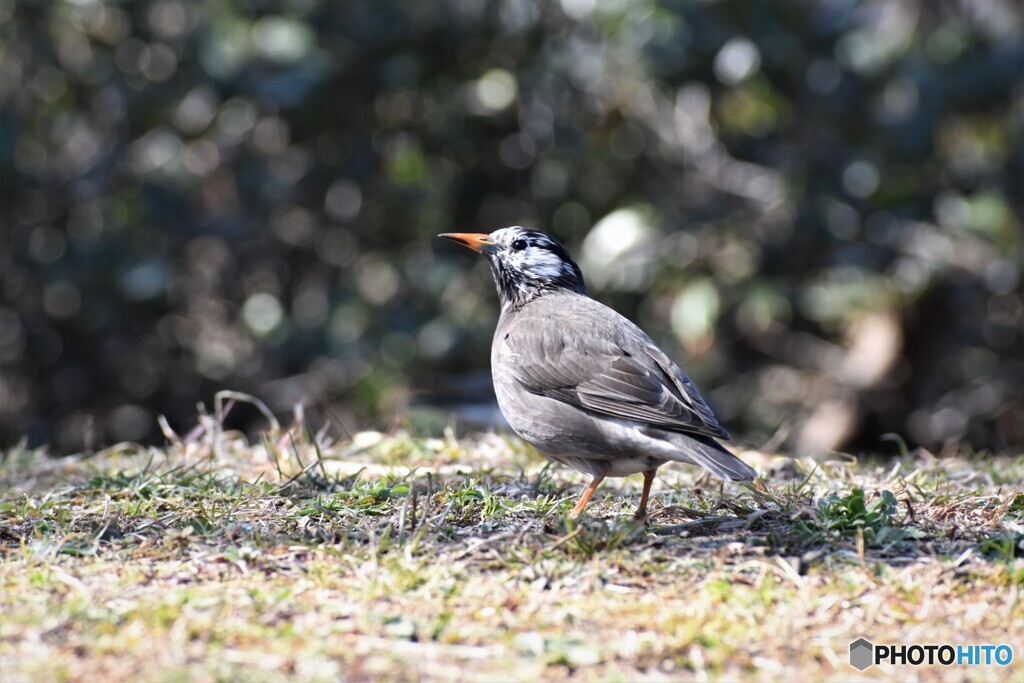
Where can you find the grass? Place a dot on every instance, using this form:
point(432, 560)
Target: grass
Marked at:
point(400, 558)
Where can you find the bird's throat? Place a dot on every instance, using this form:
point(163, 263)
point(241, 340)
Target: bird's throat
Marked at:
point(516, 289)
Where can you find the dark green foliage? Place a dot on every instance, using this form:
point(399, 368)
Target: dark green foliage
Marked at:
point(816, 206)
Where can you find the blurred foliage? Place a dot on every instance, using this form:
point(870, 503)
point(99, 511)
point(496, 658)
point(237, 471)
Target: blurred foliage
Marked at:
point(816, 206)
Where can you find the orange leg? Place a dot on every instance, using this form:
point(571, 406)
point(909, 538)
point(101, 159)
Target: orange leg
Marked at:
point(585, 498)
point(641, 512)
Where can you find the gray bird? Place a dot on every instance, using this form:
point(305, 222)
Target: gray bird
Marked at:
point(581, 383)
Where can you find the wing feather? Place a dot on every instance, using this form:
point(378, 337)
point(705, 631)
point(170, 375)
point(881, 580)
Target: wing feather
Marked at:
point(624, 376)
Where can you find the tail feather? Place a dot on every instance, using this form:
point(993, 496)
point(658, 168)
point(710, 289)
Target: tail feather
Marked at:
point(709, 454)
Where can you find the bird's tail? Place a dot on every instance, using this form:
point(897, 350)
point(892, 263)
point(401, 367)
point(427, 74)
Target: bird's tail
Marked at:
point(706, 452)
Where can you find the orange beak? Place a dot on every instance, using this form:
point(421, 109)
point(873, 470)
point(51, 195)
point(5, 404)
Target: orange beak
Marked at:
point(474, 240)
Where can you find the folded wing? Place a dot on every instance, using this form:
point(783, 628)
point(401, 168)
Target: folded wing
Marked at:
point(628, 378)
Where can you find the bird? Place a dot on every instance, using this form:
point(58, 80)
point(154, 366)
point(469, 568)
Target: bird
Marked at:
point(583, 384)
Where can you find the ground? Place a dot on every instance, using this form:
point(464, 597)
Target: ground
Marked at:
point(389, 557)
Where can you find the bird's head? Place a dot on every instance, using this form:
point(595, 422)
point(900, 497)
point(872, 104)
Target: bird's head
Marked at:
point(526, 263)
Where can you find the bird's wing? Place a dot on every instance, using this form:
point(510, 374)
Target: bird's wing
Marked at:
point(625, 378)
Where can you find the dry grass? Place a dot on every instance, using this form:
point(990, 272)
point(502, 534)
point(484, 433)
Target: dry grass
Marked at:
point(398, 558)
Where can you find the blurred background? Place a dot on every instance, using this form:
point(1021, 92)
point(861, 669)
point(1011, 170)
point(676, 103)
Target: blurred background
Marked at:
point(814, 206)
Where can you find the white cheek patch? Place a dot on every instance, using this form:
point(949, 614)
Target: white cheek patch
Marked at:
point(542, 263)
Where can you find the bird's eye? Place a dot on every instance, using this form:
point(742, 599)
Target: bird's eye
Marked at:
point(519, 245)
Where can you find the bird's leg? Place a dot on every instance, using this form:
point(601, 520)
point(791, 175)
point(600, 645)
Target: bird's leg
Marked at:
point(585, 498)
point(641, 512)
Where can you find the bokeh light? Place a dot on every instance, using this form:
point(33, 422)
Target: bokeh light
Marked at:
point(817, 212)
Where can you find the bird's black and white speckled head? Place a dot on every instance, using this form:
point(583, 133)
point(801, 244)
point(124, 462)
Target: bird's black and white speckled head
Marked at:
point(525, 263)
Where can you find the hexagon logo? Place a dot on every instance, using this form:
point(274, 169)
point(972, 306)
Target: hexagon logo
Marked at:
point(862, 654)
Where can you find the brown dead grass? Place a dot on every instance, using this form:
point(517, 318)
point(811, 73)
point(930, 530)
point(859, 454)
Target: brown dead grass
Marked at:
point(395, 558)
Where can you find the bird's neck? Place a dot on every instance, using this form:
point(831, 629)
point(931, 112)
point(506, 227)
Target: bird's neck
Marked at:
point(517, 288)
point(516, 293)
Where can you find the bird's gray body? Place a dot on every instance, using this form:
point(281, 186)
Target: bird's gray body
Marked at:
point(586, 387)
point(583, 384)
